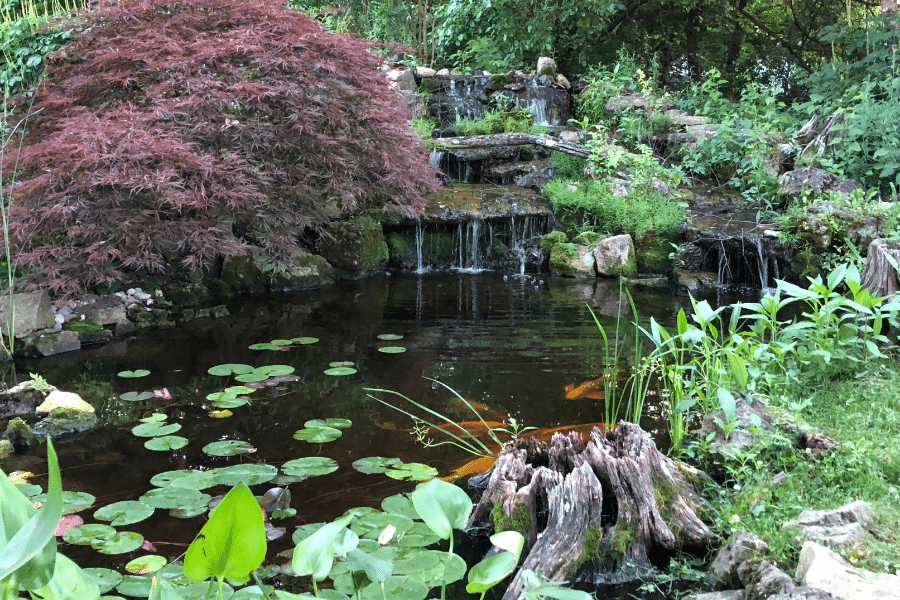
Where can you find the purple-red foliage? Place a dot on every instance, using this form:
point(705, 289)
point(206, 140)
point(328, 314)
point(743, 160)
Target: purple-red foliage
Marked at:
point(169, 127)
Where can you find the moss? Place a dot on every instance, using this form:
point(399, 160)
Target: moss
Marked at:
point(194, 294)
point(500, 79)
point(553, 238)
point(587, 238)
point(519, 520)
point(500, 249)
point(19, 433)
point(83, 327)
point(219, 290)
point(437, 247)
point(242, 272)
point(561, 257)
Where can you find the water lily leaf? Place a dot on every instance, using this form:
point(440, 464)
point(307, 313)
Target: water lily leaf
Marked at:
point(418, 562)
point(29, 490)
point(237, 390)
point(134, 374)
point(372, 524)
point(146, 564)
point(334, 422)
point(135, 585)
point(173, 497)
point(342, 363)
point(318, 435)
point(443, 506)
point(167, 477)
point(124, 513)
point(155, 417)
point(420, 536)
point(304, 531)
point(228, 448)
point(399, 504)
point(83, 535)
point(395, 588)
point(200, 591)
point(220, 414)
point(309, 466)
point(281, 342)
point(376, 464)
point(412, 471)
point(196, 480)
point(251, 377)
point(392, 349)
point(340, 371)
point(106, 579)
point(305, 340)
point(229, 369)
point(155, 428)
point(189, 511)
point(165, 443)
point(249, 474)
point(120, 543)
point(266, 346)
point(232, 543)
point(229, 402)
point(136, 396)
point(73, 502)
point(275, 370)
point(389, 337)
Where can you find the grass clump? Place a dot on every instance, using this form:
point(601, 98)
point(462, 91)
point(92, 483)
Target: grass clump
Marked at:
point(499, 121)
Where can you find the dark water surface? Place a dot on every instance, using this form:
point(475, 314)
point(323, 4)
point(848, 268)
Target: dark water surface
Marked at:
point(511, 346)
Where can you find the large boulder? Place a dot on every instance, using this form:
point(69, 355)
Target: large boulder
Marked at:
point(50, 343)
point(810, 180)
point(821, 568)
point(614, 256)
point(105, 310)
point(33, 312)
point(840, 528)
point(67, 413)
point(356, 247)
point(742, 547)
point(751, 421)
point(572, 260)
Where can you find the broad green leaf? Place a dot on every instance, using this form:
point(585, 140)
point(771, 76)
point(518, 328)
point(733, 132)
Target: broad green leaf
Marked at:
point(134, 374)
point(412, 471)
point(727, 404)
point(376, 464)
point(309, 466)
point(69, 581)
point(370, 525)
point(143, 565)
point(443, 506)
point(340, 371)
point(232, 543)
point(314, 555)
point(249, 474)
point(136, 396)
point(318, 435)
point(375, 568)
point(106, 579)
point(331, 422)
point(399, 504)
point(491, 571)
point(124, 513)
point(392, 349)
point(228, 448)
point(166, 442)
point(230, 369)
point(155, 428)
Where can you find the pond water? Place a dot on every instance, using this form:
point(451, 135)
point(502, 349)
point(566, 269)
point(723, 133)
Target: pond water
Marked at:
point(520, 347)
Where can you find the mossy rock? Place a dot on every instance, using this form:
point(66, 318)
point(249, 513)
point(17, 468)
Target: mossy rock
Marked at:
point(356, 246)
point(519, 520)
point(572, 260)
point(88, 331)
point(244, 273)
point(587, 238)
point(653, 250)
point(553, 238)
point(302, 271)
point(19, 434)
point(149, 317)
point(219, 290)
point(401, 250)
point(194, 294)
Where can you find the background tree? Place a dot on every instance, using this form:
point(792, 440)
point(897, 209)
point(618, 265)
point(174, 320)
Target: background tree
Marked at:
point(172, 132)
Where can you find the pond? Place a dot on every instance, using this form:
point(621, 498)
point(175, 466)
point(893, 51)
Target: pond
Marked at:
point(514, 347)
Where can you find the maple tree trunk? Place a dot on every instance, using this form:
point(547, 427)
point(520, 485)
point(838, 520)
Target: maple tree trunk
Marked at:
point(594, 509)
point(511, 139)
point(880, 277)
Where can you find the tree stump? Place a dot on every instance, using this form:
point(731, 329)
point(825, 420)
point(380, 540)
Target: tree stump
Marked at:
point(595, 511)
point(880, 277)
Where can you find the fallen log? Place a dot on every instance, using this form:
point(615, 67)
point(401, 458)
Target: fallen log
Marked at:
point(594, 511)
point(510, 139)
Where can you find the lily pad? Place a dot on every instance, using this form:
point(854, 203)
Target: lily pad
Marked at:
point(200, 591)
point(390, 337)
point(392, 349)
point(420, 536)
point(342, 363)
point(120, 543)
point(318, 435)
point(309, 466)
point(340, 371)
point(229, 402)
point(136, 396)
point(106, 579)
point(376, 464)
point(196, 480)
point(265, 346)
point(173, 497)
point(73, 502)
point(229, 369)
point(155, 417)
point(275, 370)
point(167, 477)
point(250, 474)
point(29, 490)
point(413, 472)
point(371, 525)
point(228, 448)
point(165, 443)
point(146, 564)
point(83, 535)
point(155, 429)
point(135, 585)
point(305, 340)
point(399, 504)
point(124, 513)
point(134, 374)
point(189, 511)
point(332, 422)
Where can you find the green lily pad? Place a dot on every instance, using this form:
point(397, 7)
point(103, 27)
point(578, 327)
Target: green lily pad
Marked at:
point(420, 536)
point(376, 464)
point(195, 480)
point(251, 474)
point(237, 390)
point(371, 525)
point(124, 513)
point(305, 340)
point(229, 402)
point(155, 417)
point(413, 472)
point(173, 497)
point(395, 588)
point(251, 377)
point(332, 422)
point(155, 428)
point(135, 585)
point(134, 374)
point(399, 504)
point(392, 350)
point(265, 346)
point(136, 396)
point(418, 562)
point(228, 448)
point(340, 371)
point(73, 502)
point(106, 579)
point(437, 575)
point(83, 535)
point(146, 564)
point(188, 511)
point(200, 591)
point(390, 337)
point(29, 490)
point(342, 363)
point(304, 531)
point(318, 435)
point(309, 466)
point(120, 543)
point(275, 370)
point(229, 369)
point(164, 443)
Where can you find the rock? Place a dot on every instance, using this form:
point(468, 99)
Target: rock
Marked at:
point(814, 181)
point(804, 593)
point(692, 134)
point(52, 342)
point(821, 568)
point(562, 82)
point(727, 595)
point(425, 72)
point(445, 73)
point(19, 434)
point(694, 280)
point(356, 246)
point(302, 271)
point(22, 399)
point(64, 421)
point(750, 422)
point(107, 310)
point(614, 256)
point(742, 546)
point(572, 260)
point(244, 273)
point(840, 528)
point(68, 400)
point(643, 102)
point(763, 580)
point(88, 332)
point(33, 312)
point(403, 80)
point(546, 66)
point(6, 448)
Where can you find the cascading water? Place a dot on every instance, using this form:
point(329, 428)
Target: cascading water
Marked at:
point(420, 267)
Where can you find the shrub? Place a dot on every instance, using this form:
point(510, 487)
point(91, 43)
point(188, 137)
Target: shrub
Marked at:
point(175, 132)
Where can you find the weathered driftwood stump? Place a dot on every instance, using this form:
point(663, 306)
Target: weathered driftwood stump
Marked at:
point(880, 277)
point(594, 510)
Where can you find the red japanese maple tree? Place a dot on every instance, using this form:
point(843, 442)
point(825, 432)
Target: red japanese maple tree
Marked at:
point(173, 132)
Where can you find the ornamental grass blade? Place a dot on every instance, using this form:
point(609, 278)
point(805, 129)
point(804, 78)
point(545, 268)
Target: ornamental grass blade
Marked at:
point(232, 544)
point(27, 542)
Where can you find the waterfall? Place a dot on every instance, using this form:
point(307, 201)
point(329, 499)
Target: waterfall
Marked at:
point(420, 234)
point(763, 262)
